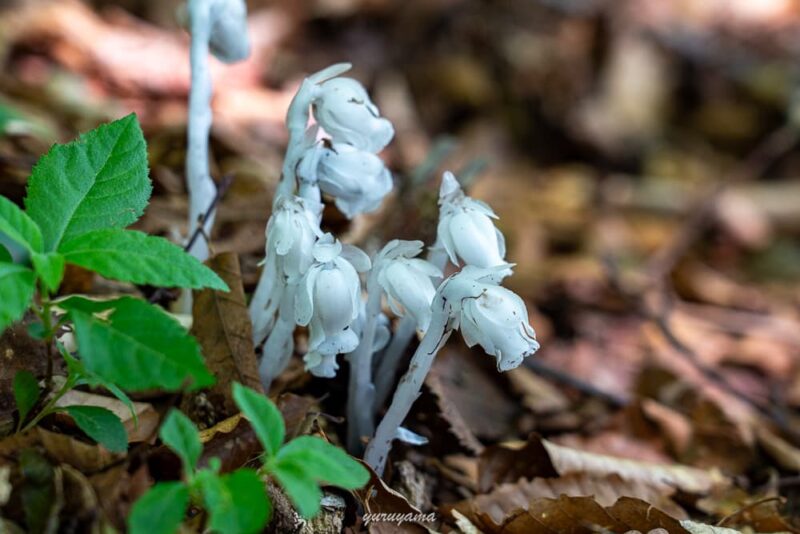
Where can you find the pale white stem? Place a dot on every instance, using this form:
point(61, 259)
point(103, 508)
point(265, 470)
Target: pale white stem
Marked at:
point(410, 385)
point(265, 300)
point(361, 393)
point(390, 360)
point(279, 346)
point(201, 187)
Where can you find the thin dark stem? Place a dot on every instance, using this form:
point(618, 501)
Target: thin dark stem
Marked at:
point(222, 188)
point(562, 377)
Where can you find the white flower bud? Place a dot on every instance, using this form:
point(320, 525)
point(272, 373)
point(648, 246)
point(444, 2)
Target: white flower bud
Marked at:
point(229, 42)
point(491, 316)
point(328, 299)
point(466, 230)
point(344, 110)
point(291, 233)
point(357, 179)
point(407, 280)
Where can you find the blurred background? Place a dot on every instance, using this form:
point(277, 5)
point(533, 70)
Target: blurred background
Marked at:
point(641, 155)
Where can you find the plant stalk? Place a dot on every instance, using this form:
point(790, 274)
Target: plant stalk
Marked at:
point(410, 386)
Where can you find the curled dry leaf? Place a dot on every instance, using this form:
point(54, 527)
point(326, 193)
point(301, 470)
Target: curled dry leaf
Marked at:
point(377, 497)
point(139, 430)
point(221, 324)
point(605, 489)
point(454, 379)
point(86, 457)
point(573, 515)
point(544, 459)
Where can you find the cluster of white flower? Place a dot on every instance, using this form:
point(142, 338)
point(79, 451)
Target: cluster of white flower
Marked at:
point(311, 279)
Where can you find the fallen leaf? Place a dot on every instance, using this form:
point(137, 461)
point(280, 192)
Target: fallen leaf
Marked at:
point(454, 379)
point(540, 458)
point(142, 428)
point(221, 324)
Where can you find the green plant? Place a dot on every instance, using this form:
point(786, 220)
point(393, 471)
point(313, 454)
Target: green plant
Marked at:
point(236, 502)
point(81, 196)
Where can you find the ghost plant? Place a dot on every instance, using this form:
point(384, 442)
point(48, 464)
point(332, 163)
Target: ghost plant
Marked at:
point(218, 27)
point(312, 280)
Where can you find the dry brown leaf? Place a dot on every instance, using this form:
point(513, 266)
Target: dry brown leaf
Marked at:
point(568, 515)
point(454, 379)
point(377, 497)
point(147, 417)
point(538, 395)
point(88, 458)
point(544, 459)
point(221, 324)
point(605, 489)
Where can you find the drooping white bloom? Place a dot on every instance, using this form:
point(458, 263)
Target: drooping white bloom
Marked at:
point(228, 39)
point(357, 179)
point(291, 233)
point(466, 230)
point(407, 280)
point(490, 315)
point(328, 301)
point(344, 110)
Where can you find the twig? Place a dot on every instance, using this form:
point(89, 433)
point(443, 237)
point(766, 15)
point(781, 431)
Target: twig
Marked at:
point(777, 144)
point(222, 188)
point(562, 377)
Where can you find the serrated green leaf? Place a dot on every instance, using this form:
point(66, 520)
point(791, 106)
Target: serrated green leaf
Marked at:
point(301, 487)
point(26, 392)
point(137, 346)
point(264, 416)
point(327, 463)
point(17, 284)
point(101, 425)
point(19, 227)
point(50, 268)
point(136, 257)
point(5, 255)
point(99, 181)
point(236, 502)
point(179, 434)
point(159, 511)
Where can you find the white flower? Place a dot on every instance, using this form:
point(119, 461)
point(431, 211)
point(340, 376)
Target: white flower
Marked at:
point(407, 280)
point(343, 109)
point(328, 300)
point(357, 179)
point(490, 315)
point(228, 40)
point(291, 233)
point(466, 230)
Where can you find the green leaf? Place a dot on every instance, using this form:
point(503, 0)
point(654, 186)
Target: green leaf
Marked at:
point(50, 268)
point(101, 425)
point(136, 257)
point(5, 255)
point(99, 181)
point(179, 434)
point(327, 463)
point(137, 346)
point(263, 415)
point(301, 487)
point(237, 502)
point(159, 511)
point(26, 392)
point(17, 284)
point(18, 226)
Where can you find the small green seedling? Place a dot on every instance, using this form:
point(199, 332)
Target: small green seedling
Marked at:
point(237, 502)
point(81, 197)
